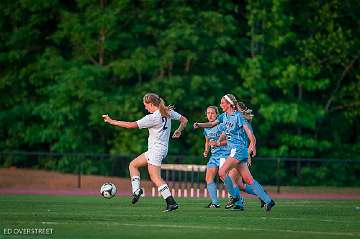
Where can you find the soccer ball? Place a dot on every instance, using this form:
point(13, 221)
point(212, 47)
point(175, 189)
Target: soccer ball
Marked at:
point(108, 190)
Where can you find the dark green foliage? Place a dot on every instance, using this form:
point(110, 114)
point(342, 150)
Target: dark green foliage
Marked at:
point(63, 64)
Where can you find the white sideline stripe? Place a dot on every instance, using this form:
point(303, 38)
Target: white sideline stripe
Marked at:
point(219, 217)
point(209, 228)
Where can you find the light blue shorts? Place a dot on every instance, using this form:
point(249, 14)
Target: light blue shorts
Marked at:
point(216, 161)
point(239, 154)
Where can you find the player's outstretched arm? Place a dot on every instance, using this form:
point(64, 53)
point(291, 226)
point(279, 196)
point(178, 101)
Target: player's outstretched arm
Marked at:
point(206, 125)
point(183, 123)
point(123, 124)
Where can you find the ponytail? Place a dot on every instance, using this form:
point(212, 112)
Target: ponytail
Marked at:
point(245, 111)
point(164, 110)
point(239, 106)
point(158, 102)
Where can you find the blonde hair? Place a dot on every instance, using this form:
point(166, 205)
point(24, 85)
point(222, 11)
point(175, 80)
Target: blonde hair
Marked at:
point(239, 106)
point(158, 102)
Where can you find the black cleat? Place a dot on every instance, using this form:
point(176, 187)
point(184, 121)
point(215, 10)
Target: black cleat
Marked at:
point(262, 203)
point(231, 202)
point(136, 197)
point(212, 205)
point(237, 208)
point(171, 207)
point(269, 206)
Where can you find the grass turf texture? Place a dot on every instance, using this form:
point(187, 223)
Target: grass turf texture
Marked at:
point(96, 217)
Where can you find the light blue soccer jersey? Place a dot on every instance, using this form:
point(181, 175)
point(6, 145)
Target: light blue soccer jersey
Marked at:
point(213, 134)
point(237, 139)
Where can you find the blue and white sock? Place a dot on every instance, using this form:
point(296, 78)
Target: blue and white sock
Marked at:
point(211, 187)
point(259, 191)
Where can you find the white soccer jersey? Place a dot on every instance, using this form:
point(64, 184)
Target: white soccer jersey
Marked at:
point(159, 129)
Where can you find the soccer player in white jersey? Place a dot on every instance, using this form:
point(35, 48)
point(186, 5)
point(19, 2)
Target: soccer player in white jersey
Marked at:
point(158, 122)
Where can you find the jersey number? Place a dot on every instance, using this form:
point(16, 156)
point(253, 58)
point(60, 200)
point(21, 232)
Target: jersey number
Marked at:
point(164, 120)
point(228, 136)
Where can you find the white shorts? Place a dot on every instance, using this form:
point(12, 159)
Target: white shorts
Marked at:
point(155, 157)
point(222, 161)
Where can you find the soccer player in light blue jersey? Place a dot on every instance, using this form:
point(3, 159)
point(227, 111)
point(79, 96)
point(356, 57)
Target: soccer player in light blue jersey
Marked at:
point(242, 144)
point(219, 153)
point(237, 183)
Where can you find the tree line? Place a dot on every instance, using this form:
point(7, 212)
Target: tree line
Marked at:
point(65, 63)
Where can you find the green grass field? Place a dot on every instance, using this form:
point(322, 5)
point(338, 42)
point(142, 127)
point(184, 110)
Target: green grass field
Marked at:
point(96, 217)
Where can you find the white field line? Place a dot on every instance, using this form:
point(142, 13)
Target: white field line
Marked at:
point(349, 234)
point(218, 217)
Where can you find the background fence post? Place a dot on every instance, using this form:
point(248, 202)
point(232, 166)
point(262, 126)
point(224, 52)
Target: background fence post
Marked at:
point(278, 175)
point(79, 176)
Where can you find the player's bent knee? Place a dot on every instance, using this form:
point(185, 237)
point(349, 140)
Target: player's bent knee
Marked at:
point(209, 180)
point(131, 166)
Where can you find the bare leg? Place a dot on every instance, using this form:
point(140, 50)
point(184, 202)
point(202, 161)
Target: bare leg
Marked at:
point(139, 162)
point(229, 164)
point(210, 174)
point(155, 175)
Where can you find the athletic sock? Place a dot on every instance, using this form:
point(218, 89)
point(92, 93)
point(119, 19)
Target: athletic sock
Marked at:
point(249, 190)
point(164, 191)
point(229, 185)
point(236, 191)
point(238, 195)
point(166, 194)
point(135, 183)
point(259, 191)
point(211, 187)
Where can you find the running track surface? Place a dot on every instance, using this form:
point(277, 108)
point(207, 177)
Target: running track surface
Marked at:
point(19, 191)
point(15, 181)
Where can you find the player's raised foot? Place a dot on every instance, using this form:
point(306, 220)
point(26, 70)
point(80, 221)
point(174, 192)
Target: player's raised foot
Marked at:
point(213, 205)
point(231, 202)
point(171, 207)
point(262, 203)
point(136, 196)
point(269, 206)
point(237, 208)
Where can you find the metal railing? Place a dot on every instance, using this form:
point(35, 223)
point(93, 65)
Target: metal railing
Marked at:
point(190, 177)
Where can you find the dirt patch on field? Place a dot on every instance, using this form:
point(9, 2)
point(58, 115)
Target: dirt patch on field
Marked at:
point(29, 181)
